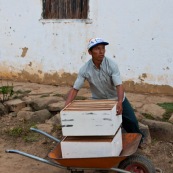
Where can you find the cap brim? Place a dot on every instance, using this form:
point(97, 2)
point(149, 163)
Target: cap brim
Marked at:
point(105, 43)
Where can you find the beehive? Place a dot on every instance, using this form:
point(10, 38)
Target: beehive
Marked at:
point(90, 118)
point(92, 146)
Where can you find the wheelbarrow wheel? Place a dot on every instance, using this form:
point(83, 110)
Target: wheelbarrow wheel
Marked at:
point(137, 164)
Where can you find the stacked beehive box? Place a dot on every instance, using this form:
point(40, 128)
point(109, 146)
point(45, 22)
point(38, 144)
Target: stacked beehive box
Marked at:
point(92, 129)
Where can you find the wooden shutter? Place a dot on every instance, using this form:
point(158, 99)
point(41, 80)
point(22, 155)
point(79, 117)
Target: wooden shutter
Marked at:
point(65, 9)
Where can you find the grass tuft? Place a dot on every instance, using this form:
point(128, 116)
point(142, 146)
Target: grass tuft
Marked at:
point(148, 116)
point(168, 110)
point(23, 131)
point(80, 98)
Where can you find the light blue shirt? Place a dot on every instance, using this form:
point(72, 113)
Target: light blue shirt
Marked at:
point(102, 81)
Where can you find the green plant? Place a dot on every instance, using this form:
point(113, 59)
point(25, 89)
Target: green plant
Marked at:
point(6, 92)
point(22, 92)
point(148, 116)
point(31, 137)
point(15, 132)
point(45, 95)
point(168, 110)
point(154, 141)
point(23, 131)
point(80, 98)
point(57, 127)
point(59, 95)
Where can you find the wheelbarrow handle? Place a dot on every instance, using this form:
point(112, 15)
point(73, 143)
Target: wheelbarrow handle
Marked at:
point(45, 134)
point(35, 158)
point(55, 164)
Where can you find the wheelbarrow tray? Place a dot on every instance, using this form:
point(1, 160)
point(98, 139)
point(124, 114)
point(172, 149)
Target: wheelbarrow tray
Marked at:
point(130, 144)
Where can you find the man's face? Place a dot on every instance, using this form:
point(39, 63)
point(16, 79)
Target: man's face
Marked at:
point(98, 52)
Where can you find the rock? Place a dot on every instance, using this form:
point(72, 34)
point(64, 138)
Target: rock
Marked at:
point(54, 120)
point(139, 116)
point(43, 102)
point(27, 109)
point(42, 115)
point(145, 130)
point(56, 106)
point(135, 97)
point(136, 105)
point(19, 96)
point(3, 109)
point(13, 114)
point(159, 99)
point(27, 100)
point(25, 115)
point(171, 119)
point(159, 130)
point(45, 127)
point(62, 90)
point(154, 110)
point(22, 90)
point(43, 89)
point(15, 105)
point(38, 116)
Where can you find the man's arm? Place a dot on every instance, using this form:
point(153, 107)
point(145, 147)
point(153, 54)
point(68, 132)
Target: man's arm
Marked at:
point(71, 96)
point(120, 93)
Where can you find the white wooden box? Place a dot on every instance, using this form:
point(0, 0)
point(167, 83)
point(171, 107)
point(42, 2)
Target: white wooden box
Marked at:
point(90, 118)
point(87, 147)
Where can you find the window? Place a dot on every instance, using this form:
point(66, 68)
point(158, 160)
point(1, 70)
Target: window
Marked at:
point(65, 9)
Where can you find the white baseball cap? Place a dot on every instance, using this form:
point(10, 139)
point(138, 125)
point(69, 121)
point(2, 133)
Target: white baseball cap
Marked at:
point(95, 41)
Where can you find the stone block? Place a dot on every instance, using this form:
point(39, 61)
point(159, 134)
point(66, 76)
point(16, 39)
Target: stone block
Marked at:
point(56, 106)
point(15, 105)
point(159, 127)
point(43, 102)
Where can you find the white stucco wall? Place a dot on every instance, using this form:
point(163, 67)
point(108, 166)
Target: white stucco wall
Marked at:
point(139, 32)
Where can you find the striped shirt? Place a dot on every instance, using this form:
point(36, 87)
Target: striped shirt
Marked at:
point(102, 81)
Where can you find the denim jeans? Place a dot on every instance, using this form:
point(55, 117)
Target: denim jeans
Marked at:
point(130, 123)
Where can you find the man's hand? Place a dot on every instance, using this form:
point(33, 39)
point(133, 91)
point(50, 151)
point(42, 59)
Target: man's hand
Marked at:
point(119, 108)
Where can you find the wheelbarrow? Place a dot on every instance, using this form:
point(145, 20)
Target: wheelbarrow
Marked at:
point(126, 162)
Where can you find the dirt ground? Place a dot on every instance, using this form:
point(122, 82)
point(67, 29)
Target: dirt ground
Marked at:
point(160, 152)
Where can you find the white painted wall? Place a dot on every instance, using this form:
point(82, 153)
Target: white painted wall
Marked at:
point(140, 33)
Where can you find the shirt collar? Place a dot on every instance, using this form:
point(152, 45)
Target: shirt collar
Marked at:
point(100, 64)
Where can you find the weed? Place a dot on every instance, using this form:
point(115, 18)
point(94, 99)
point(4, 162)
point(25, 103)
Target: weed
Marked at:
point(148, 116)
point(15, 132)
point(58, 127)
point(154, 141)
point(6, 92)
point(22, 92)
point(31, 137)
point(59, 95)
point(27, 91)
point(45, 95)
point(168, 108)
point(80, 98)
point(24, 132)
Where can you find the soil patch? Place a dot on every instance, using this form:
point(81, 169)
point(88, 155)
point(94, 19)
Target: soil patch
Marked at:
point(160, 152)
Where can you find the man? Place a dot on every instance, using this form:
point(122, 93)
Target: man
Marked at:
point(105, 82)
